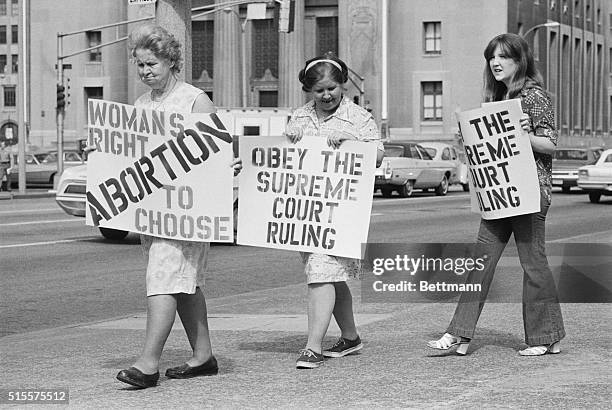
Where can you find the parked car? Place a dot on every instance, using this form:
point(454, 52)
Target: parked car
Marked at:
point(37, 172)
point(596, 179)
point(71, 191)
point(440, 151)
point(407, 166)
point(41, 167)
point(567, 160)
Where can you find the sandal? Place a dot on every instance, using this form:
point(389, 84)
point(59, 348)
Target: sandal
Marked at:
point(553, 348)
point(447, 341)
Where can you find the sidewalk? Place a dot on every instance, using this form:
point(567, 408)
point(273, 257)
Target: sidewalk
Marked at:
point(256, 337)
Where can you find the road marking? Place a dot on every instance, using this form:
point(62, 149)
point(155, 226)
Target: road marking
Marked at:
point(387, 201)
point(41, 222)
point(29, 211)
point(17, 245)
point(584, 235)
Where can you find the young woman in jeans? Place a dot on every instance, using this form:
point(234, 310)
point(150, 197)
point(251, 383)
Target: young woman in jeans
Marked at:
point(510, 72)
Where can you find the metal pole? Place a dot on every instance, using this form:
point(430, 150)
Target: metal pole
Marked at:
point(23, 124)
point(244, 65)
point(59, 115)
point(384, 91)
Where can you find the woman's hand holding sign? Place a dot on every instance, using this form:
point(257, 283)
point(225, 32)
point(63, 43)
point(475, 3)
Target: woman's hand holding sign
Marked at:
point(294, 134)
point(335, 140)
point(237, 165)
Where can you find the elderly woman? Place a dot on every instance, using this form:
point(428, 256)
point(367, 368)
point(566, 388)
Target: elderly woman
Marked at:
point(333, 116)
point(175, 269)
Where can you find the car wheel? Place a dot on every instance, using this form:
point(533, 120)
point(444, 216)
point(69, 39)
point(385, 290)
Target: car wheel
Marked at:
point(442, 189)
point(466, 187)
point(113, 234)
point(405, 190)
point(386, 192)
point(594, 197)
point(565, 189)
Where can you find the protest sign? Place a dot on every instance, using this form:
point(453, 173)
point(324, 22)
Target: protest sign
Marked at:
point(306, 196)
point(165, 174)
point(502, 168)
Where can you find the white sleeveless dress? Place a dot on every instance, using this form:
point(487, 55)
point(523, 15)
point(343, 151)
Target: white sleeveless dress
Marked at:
point(173, 266)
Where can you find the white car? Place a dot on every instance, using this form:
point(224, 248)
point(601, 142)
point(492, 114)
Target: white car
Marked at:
point(72, 188)
point(440, 151)
point(597, 179)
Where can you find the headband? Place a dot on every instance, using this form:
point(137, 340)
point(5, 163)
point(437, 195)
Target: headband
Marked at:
point(313, 63)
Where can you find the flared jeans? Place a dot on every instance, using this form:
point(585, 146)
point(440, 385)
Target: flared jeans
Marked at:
point(542, 317)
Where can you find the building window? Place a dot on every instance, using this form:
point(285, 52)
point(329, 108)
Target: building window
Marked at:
point(268, 99)
point(203, 33)
point(327, 35)
point(14, 34)
point(94, 38)
point(265, 48)
point(431, 101)
point(2, 7)
point(92, 93)
point(588, 12)
point(2, 34)
point(14, 63)
point(577, 8)
point(15, 7)
point(432, 37)
point(10, 96)
point(599, 17)
point(3, 61)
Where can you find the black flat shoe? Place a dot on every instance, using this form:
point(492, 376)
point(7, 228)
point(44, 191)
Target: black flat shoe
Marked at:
point(137, 378)
point(185, 371)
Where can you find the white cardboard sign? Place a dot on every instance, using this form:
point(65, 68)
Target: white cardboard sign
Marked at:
point(306, 196)
point(165, 174)
point(502, 169)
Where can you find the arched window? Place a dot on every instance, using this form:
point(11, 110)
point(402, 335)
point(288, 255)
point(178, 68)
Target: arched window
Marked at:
point(8, 133)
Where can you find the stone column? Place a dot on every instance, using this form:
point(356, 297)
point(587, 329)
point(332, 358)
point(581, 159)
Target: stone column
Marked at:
point(175, 16)
point(226, 65)
point(291, 61)
point(359, 35)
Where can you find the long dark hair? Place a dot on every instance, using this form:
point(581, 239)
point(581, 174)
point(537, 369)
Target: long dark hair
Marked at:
point(318, 71)
point(526, 75)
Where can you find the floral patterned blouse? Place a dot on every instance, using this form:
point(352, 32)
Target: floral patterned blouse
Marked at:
point(537, 104)
point(351, 119)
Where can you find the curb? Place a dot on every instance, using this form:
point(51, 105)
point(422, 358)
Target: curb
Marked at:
point(10, 195)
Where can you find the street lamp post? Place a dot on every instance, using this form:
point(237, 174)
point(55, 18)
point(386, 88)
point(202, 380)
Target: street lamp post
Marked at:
point(537, 26)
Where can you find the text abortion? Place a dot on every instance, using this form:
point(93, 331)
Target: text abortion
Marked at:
point(127, 131)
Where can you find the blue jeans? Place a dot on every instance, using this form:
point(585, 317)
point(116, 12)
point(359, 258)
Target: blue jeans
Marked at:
point(542, 317)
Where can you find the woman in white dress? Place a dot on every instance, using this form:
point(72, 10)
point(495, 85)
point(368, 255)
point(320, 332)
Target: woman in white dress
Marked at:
point(175, 269)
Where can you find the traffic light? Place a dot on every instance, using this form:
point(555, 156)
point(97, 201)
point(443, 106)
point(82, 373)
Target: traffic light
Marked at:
point(61, 97)
point(286, 16)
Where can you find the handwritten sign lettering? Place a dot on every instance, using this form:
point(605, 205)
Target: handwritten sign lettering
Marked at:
point(306, 196)
point(164, 174)
point(501, 165)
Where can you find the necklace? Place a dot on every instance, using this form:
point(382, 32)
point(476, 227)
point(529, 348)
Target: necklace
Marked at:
point(162, 97)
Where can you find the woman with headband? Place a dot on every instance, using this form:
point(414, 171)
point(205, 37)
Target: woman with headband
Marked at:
point(333, 116)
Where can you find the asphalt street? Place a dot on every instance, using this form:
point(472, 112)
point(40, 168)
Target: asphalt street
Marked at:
point(73, 310)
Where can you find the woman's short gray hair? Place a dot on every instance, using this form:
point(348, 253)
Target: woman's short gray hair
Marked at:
point(159, 41)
